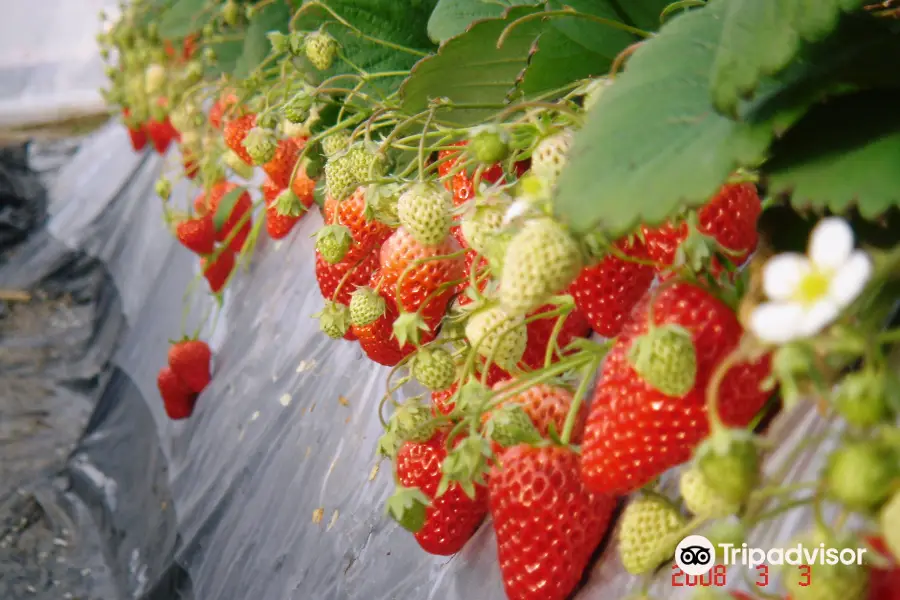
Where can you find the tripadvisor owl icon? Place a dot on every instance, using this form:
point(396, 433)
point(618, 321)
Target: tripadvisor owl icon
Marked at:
point(695, 555)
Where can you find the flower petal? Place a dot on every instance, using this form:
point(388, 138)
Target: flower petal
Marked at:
point(831, 243)
point(783, 273)
point(777, 322)
point(848, 282)
point(818, 316)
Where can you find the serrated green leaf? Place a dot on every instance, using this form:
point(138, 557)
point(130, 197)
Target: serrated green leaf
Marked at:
point(183, 18)
point(760, 37)
point(470, 71)
point(399, 22)
point(452, 17)
point(842, 155)
point(226, 205)
point(272, 17)
point(653, 142)
point(574, 48)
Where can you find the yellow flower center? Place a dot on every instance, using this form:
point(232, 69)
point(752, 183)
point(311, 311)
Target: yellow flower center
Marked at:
point(812, 287)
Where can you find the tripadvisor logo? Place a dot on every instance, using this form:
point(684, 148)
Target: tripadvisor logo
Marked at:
point(696, 555)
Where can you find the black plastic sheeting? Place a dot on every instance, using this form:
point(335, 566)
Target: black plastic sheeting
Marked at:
point(271, 490)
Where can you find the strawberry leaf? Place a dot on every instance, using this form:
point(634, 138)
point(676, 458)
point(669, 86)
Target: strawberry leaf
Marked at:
point(842, 155)
point(271, 17)
point(226, 205)
point(452, 17)
point(574, 48)
point(183, 18)
point(761, 37)
point(471, 72)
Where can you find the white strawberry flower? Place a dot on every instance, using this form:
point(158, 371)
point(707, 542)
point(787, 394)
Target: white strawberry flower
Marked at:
point(808, 292)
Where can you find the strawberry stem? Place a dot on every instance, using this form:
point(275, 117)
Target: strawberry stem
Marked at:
point(578, 399)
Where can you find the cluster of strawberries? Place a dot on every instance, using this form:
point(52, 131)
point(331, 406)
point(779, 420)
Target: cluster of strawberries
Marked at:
point(185, 377)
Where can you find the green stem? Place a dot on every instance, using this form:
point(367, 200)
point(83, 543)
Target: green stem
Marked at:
point(577, 401)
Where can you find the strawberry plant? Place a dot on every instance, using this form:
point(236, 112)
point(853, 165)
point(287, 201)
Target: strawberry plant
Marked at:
point(496, 181)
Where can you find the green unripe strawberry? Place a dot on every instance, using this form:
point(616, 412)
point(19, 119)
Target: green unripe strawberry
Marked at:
point(542, 259)
point(495, 333)
point(413, 422)
point(723, 531)
point(549, 157)
point(510, 425)
point(484, 221)
point(665, 358)
point(296, 110)
point(700, 499)
point(434, 368)
point(366, 305)
point(334, 320)
point(729, 462)
point(163, 188)
point(320, 49)
point(334, 143)
point(489, 144)
point(154, 79)
point(648, 532)
point(280, 42)
point(889, 522)
point(861, 398)
point(425, 211)
point(340, 181)
point(332, 242)
point(261, 145)
point(861, 475)
point(231, 12)
point(366, 163)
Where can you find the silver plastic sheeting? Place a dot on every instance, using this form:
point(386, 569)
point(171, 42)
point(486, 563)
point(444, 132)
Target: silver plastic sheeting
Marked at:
point(271, 490)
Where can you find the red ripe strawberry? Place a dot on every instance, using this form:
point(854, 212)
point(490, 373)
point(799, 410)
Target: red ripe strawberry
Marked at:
point(402, 250)
point(191, 167)
point(462, 184)
point(606, 292)
point(135, 132)
point(177, 397)
point(270, 191)
point(351, 213)
point(279, 226)
point(441, 399)
point(377, 338)
point(161, 133)
point(241, 207)
point(220, 107)
point(303, 186)
point(197, 234)
point(235, 132)
point(329, 276)
point(138, 138)
point(635, 432)
point(546, 405)
point(540, 333)
point(453, 517)
point(730, 218)
point(190, 360)
point(216, 272)
point(280, 167)
point(548, 524)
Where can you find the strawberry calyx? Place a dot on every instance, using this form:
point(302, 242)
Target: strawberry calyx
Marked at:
point(407, 327)
point(411, 422)
point(334, 319)
point(509, 425)
point(467, 464)
point(408, 507)
point(288, 204)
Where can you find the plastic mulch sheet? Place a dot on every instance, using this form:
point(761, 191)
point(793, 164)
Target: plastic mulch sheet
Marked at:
point(270, 490)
